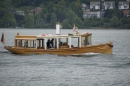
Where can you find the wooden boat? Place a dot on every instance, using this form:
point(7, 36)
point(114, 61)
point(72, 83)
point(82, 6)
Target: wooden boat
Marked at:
point(38, 44)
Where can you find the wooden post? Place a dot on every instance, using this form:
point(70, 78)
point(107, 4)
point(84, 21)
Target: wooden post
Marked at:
point(15, 43)
point(54, 43)
point(45, 43)
point(42, 43)
point(36, 44)
point(90, 39)
point(57, 43)
point(25, 43)
point(33, 43)
point(80, 41)
point(69, 42)
point(30, 43)
point(39, 43)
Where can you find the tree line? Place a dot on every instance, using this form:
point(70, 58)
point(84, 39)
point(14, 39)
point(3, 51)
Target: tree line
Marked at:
point(67, 12)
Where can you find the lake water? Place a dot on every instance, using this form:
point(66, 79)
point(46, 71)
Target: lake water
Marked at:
point(53, 70)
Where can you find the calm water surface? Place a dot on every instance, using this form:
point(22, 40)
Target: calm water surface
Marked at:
point(53, 70)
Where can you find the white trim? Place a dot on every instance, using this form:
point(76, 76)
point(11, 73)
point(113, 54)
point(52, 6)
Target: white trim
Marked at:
point(69, 42)
point(36, 44)
point(57, 43)
point(25, 38)
point(45, 43)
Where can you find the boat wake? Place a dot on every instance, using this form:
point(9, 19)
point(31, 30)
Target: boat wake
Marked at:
point(4, 51)
point(85, 55)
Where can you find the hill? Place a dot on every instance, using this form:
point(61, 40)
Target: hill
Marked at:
point(67, 12)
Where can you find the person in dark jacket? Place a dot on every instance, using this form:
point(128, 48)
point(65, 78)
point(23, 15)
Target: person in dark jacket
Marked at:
point(51, 43)
point(48, 44)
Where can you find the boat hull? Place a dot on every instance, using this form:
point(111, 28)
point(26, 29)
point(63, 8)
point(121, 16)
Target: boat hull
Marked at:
point(100, 48)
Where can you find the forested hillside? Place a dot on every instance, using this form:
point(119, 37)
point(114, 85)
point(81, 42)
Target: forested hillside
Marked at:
point(67, 12)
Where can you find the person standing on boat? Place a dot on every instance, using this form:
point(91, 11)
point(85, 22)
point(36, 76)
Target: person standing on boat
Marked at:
point(51, 43)
point(48, 44)
point(61, 44)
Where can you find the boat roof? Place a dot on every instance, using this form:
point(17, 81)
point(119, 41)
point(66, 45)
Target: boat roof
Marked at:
point(42, 36)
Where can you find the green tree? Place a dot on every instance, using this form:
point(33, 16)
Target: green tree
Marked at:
point(72, 18)
point(87, 23)
point(95, 21)
point(12, 22)
point(58, 10)
point(19, 20)
point(70, 15)
point(66, 24)
point(50, 6)
point(7, 19)
point(101, 23)
point(114, 21)
point(53, 20)
point(62, 3)
point(2, 4)
point(29, 21)
point(76, 7)
point(125, 23)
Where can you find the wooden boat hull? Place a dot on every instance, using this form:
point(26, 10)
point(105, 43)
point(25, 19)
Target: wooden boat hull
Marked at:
point(100, 48)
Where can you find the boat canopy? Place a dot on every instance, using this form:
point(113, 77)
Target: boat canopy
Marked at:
point(41, 40)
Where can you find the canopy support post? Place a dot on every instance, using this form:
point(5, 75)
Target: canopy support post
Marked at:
point(57, 43)
point(45, 45)
point(36, 44)
point(69, 42)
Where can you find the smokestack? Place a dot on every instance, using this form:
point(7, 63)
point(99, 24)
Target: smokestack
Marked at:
point(58, 30)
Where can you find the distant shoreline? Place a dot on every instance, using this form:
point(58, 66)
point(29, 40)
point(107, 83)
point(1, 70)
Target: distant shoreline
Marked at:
point(72, 28)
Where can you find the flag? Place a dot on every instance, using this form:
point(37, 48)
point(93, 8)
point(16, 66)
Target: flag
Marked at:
point(74, 28)
point(2, 38)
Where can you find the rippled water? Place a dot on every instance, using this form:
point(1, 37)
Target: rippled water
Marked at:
point(81, 70)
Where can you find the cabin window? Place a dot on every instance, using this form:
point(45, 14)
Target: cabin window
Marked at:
point(84, 41)
point(63, 42)
point(89, 39)
point(74, 42)
point(18, 43)
point(33, 42)
point(30, 43)
point(26, 43)
point(22, 43)
point(40, 43)
point(15, 43)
